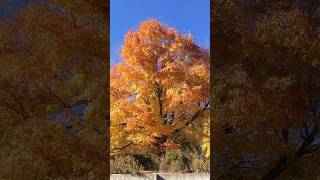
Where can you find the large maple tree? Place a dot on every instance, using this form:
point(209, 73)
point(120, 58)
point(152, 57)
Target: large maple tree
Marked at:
point(159, 91)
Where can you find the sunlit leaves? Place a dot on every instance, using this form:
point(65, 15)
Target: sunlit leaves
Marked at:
point(159, 88)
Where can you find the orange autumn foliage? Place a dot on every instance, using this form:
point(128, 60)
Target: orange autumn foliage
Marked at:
point(159, 91)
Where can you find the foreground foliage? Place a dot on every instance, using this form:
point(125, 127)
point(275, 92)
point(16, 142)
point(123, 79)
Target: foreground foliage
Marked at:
point(173, 161)
point(124, 165)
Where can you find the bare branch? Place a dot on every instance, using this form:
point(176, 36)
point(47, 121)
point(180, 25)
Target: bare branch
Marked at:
point(74, 21)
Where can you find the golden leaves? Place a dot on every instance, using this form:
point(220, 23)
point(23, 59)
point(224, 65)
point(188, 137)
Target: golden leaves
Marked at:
point(159, 85)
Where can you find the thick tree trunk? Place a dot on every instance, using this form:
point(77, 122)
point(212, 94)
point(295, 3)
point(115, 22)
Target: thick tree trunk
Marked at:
point(158, 143)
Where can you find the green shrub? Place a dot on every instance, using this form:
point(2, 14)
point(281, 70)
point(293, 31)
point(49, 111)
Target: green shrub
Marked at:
point(174, 161)
point(200, 164)
point(124, 164)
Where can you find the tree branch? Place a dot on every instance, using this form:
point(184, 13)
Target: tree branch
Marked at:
point(62, 103)
point(195, 116)
point(125, 146)
point(74, 21)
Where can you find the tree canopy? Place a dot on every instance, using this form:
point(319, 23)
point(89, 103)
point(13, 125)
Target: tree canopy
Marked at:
point(159, 91)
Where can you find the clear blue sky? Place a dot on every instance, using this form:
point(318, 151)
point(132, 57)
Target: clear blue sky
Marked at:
point(186, 16)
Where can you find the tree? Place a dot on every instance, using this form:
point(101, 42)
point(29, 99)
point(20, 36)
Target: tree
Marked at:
point(266, 89)
point(52, 58)
point(159, 92)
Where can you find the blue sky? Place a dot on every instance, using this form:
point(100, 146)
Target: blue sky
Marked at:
point(186, 16)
